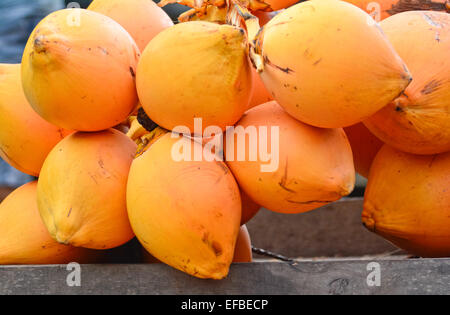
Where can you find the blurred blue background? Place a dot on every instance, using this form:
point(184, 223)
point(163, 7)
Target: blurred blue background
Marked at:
point(17, 20)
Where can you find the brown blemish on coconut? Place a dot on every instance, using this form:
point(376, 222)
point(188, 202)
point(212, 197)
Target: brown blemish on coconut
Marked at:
point(132, 72)
point(217, 248)
point(283, 181)
point(431, 87)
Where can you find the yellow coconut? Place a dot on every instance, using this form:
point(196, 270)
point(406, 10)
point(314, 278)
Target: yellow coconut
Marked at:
point(328, 64)
point(82, 190)
point(195, 70)
point(143, 19)
point(25, 240)
point(418, 121)
point(78, 70)
point(25, 138)
point(186, 212)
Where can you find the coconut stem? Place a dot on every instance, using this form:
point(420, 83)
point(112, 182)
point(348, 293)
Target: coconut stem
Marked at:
point(143, 131)
point(241, 15)
point(145, 121)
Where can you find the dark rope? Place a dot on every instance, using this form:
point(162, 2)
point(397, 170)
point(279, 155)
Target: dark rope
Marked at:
point(267, 253)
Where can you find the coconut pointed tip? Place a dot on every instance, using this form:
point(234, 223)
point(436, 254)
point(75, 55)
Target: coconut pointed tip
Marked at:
point(406, 76)
point(347, 188)
point(62, 239)
point(218, 271)
point(220, 275)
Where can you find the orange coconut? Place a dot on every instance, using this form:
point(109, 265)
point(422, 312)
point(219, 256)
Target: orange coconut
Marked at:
point(78, 70)
point(186, 213)
point(305, 167)
point(25, 138)
point(25, 240)
point(243, 251)
point(143, 19)
point(418, 121)
point(328, 64)
point(205, 75)
point(365, 147)
point(407, 201)
point(82, 189)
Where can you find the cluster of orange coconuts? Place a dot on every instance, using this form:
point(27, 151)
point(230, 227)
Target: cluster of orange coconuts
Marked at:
point(93, 109)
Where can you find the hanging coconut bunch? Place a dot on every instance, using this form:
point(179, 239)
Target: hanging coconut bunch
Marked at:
point(179, 135)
